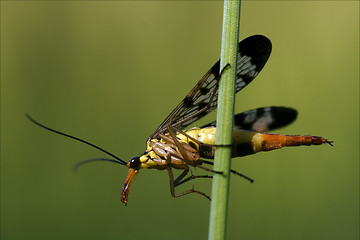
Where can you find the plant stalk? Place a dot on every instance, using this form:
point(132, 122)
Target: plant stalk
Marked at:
point(225, 118)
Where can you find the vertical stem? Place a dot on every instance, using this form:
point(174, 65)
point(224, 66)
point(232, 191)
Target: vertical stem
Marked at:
point(225, 117)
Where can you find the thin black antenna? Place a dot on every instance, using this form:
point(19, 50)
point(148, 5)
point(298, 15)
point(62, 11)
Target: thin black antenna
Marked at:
point(80, 163)
point(122, 162)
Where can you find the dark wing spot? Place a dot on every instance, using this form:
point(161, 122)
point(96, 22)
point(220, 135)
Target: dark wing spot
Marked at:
point(188, 102)
point(204, 90)
point(202, 105)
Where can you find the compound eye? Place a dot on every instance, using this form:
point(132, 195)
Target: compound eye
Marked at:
point(135, 162)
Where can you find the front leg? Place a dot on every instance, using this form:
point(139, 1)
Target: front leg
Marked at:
point(167, 161)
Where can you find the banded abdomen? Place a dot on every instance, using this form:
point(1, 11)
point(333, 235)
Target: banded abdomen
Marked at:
point(246, 142)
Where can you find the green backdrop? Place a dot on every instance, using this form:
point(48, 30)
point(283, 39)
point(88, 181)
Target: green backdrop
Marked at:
point(110, 72)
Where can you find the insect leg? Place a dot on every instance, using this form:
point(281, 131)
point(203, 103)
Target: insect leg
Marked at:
point(175, 141)
point(232, 171)
point(178, 179)
point(191, 178)
point(191, 160)
point(209, 170)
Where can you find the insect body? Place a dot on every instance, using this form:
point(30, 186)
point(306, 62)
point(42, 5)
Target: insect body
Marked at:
point(196, 144)
point(171, 147)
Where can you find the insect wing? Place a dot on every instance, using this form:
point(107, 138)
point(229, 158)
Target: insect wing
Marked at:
point(263, 119)
point(253, 52)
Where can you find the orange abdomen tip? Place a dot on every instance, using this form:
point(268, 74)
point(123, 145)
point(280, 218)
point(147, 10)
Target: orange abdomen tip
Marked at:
point(295, 140)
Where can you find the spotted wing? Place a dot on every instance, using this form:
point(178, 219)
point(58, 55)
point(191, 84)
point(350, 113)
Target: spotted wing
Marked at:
point(263, 119)
point(253, 52)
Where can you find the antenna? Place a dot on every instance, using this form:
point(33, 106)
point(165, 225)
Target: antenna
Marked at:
point(120, 161)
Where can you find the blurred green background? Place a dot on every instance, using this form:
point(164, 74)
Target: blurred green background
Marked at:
point(110, 72)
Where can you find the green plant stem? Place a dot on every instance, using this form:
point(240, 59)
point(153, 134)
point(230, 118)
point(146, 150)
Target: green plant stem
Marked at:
point(224, 131)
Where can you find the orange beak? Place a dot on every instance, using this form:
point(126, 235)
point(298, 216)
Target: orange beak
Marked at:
point(128, 180)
